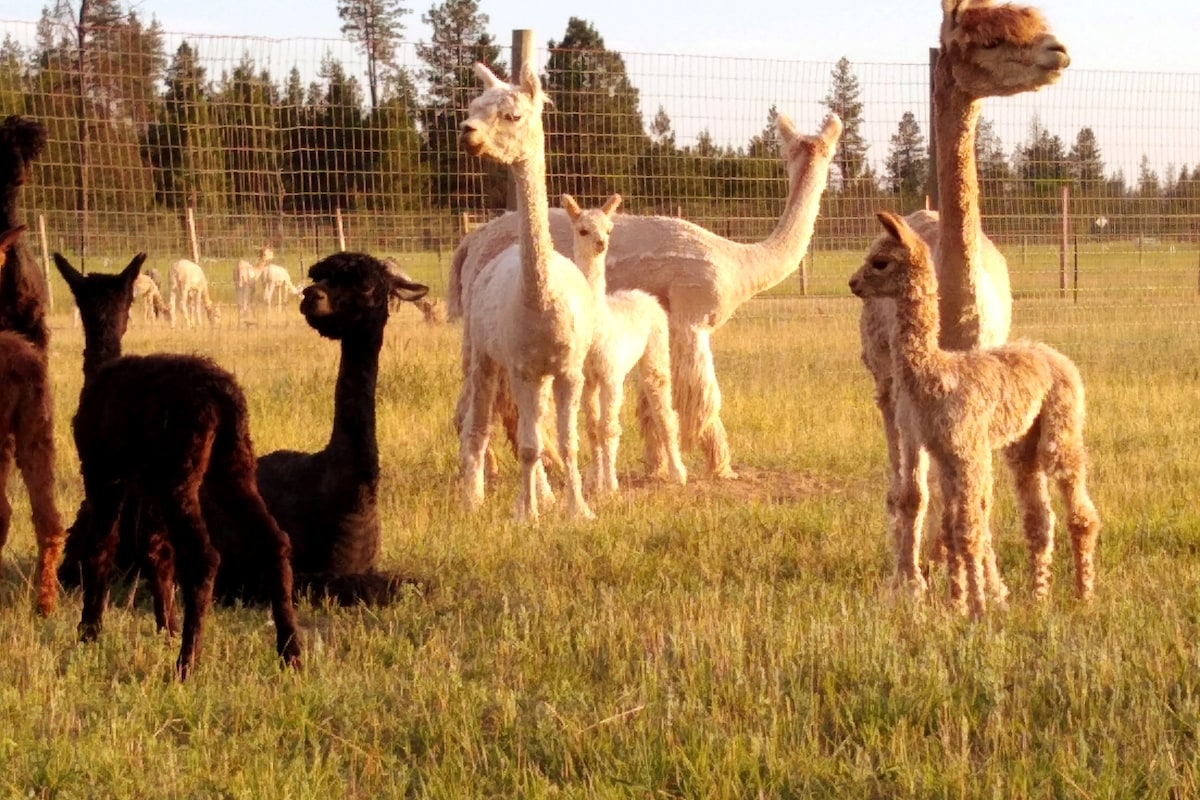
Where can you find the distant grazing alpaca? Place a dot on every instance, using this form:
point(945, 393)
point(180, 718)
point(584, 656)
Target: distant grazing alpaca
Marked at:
point(189, 287)
point(530, 311)
point(245, 279)
point(700, 278)
point(23, 293)
point(958, 406)
point(27, 433)
point(987, 50)
point(631, 330)
point(155, 428)
point(277, 286)
point(433, 311)
point(327, 501)
point(146, 290)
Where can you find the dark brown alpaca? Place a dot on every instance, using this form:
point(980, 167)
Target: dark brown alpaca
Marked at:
point(327, 500)
point(155, 428)
point(27, 436)
point(22, 286)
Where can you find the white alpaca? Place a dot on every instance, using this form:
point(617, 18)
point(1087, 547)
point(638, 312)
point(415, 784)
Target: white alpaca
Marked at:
point(700, 278)
point(146, 290)
point(245, 279)
point(631, 330)
point(531, 312)
point(959, 406)
point(277, 285)
point(189, 289)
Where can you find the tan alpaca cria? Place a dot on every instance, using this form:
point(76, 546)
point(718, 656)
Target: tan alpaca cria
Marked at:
point(189, 289)
point(631, 331)
point(959, 406)
point(531, 312)
point(987, 50)
point(699, 277)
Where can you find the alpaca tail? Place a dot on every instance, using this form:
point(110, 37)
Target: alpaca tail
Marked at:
point(368, 588)
point(454, 298)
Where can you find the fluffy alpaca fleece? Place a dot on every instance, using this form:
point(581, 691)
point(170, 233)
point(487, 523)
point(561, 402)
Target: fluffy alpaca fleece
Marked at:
point(531, 312)
point(277, 286)
point(27, 435)
point(986, 50)
point(23, 293)
point(328, 500)
point(631, 330)
point(245, 279)
point(152, 429)
point(959, 406)
point(189, 288)
point(699, 277)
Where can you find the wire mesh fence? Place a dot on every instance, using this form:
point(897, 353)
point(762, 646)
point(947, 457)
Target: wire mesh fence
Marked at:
point(276, 142)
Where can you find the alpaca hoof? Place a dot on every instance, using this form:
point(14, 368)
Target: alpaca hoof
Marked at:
point(89, 631)
point(725, 474)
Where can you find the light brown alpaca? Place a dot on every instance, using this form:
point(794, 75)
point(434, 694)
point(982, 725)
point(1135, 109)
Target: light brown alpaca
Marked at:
point(245, 278)
point(959, 406)
point(531, 311)
point(631, 331)
point(27, 435)
point(986, 50)
point(699, 277)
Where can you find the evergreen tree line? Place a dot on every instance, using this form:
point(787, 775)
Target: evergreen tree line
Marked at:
point(138, 136)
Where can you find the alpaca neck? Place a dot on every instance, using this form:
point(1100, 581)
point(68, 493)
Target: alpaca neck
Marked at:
point(352, 442)
point(779, 255)
point(591, 264)
point(959, 253)
point(101, 344)
point(533, 209)
point(9, 207)
point(917, 359)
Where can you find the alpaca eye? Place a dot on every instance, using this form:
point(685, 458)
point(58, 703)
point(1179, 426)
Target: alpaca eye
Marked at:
point(992, 45)
point(512, 117)
point(585, 233)
point(879, 264)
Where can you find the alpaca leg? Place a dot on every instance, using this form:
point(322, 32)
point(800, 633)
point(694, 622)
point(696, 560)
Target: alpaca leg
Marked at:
point(909, 503)
point(655, 371)
point(99, 547)
point(7, 445)
point(654, 447)
point(567, 389)
point(885, 401)
point(590, 405)
point(158, 563)
point(196, 563)
point(530, 397)
point(1083, 522)
point(479, 389)
point(967, 488)
point(35, 459)
point(611, 395)
point(1037, 514)
point(698, 397)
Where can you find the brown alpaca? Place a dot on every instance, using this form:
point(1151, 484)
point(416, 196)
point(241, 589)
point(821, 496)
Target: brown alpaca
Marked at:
point(22, 287)
point(986, 51)
point(959, 406)
point(152, 429)
point(27, 435)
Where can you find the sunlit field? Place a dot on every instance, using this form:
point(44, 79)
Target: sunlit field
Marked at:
point(725, 639)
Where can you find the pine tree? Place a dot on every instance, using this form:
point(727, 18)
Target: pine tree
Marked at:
point(1086, 167)
point(594, 131)
point(843, 101)
point(907, 163)
point(459, 38)
point(377, 26)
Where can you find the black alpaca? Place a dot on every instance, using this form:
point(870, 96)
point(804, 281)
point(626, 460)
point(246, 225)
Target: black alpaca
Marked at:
point(23, 298)
point(154, 428)
point(327, 500)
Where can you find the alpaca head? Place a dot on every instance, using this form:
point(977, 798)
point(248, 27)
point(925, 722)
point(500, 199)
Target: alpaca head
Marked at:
point(998, 50)
point(898, 260)
point(350, 292)
point(592, 227)
point(505, 122)
point(103, 299)
point(22, 140)
point(800, 151)
point(265, 254)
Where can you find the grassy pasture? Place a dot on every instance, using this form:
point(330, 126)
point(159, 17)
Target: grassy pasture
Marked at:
point(727, 639)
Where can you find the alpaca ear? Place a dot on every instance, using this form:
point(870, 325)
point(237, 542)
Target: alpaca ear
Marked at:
point(72, 276)
point(530, 83)
point(486, 76)
point(130, 273)
point(831, 131)
point(895, 225)
point(406, 290)
point(786, 128)
point(612, 205)
point(11, 237)
point(571, 207)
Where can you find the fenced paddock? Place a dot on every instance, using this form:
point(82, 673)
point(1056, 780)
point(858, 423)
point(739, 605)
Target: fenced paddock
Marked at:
point(725, 639)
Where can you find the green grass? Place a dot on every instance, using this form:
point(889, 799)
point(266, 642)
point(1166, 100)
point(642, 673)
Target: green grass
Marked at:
point(721, 640)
